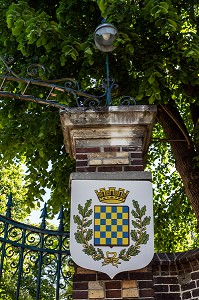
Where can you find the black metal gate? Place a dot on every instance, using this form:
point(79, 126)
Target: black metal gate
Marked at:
point(35, 262)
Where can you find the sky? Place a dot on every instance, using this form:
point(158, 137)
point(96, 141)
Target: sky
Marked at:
point(36, 214)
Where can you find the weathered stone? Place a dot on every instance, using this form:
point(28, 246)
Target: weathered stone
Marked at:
point(107, 126)
point(112, 176)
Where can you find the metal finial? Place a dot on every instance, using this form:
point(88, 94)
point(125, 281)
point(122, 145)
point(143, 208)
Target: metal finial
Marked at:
point(43, 216)
point(61, 218)
point(9, 205)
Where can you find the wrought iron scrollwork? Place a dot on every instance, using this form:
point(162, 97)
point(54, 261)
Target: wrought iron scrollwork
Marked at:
point(36, 255)
point(35, 70)
point(59, 93)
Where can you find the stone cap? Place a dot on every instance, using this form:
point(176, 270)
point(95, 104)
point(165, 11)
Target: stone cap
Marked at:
point(113, 125)
point(136, 175)
point(110, 115)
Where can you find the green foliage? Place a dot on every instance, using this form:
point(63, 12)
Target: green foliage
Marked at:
point(156, 61)
point(12, 181)
point(175, 222)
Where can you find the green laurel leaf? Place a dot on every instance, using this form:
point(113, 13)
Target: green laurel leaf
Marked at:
point(89, 234)
point(146, 221)
point(132, 251)
point(88, 213)
point(134, 235)
point(81, 210)
point(87, 205)
point(135, 214)
point(77, 220)
point(122, 253)
point(135, 224)
point(143, 211)
point(87, 223)
point(79, 237)
point(136, 205)
point(144, 238)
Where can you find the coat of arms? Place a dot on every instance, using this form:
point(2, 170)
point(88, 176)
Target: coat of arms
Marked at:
point(111, 225)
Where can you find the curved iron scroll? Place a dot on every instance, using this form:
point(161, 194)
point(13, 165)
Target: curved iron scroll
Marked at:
point(59, 93)
point(35, 255)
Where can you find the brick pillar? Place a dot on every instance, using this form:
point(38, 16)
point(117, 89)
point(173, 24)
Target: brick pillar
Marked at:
point(176, 275)
point(109, 142)
point(126, 285)
point(109, 159)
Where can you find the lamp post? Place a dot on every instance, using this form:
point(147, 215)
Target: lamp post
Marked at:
point(104, 37)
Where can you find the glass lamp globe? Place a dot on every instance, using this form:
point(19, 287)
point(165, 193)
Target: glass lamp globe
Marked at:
point(104, 36)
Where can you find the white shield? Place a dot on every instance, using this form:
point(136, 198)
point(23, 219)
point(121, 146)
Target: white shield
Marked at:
point(111, 225)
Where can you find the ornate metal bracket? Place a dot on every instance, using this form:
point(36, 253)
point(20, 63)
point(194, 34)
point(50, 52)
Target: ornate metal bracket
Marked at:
point(56, 92)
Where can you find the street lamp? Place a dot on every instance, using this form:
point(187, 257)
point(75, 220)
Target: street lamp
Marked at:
point(105, 35)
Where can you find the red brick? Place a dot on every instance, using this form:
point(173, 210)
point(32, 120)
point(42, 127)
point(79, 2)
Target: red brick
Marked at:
point(141, 275)
point(131, 149)
point(87, 150)
point(186, 295)
point(80, 286)
point(145, 284)
point(81, 156)
point(84, 277)
point(137, 162)
point(136, 155)
point(195, 275)
point(170, 296)
point(109, 169)
point(102, 276)
point(113, 294)
point(146, 293)
point(111, 149)
point(80, 294)
point(122, 276)
point(80, 163)
point(166, 280)
point(113, 285)
point(189, 286)
point(194, 265)
point(161, 288)
point(133, 168)
point(174, 288)
point(195, 293)
point(86, 169)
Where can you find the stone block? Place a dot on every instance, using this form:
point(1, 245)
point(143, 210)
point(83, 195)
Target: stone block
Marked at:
point(95, 162)
point(130, 293)
point(96, 285)
point(117, 161)
point(96, 294)
point(126, 284)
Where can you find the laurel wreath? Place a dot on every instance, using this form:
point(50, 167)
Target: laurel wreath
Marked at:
point(138, 235)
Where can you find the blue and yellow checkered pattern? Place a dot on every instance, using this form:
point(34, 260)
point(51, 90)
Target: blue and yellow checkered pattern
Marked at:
point(111, 225)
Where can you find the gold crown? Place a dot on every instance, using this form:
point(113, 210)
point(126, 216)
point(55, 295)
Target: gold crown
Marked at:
point(111, 196)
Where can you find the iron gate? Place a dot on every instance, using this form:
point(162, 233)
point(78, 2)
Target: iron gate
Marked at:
point(35, 262)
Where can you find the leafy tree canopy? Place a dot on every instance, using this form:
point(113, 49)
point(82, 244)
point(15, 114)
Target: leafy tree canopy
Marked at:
point(13, 181)
point(156, 61)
